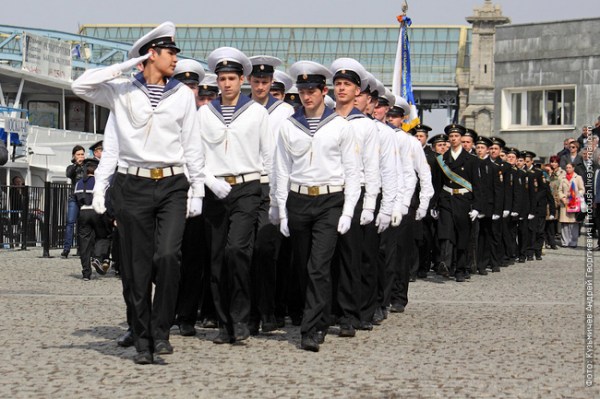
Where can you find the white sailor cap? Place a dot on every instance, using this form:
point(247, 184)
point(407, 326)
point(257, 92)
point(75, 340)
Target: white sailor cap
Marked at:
point(381, 99)
point(264, 65)
point(208, 86)
point(350, 69)
point(229, 59)
point(163, 36)
point(309, 74)
point(371, 84)
point(389, 96)
point(329, 102)
point(281, 81)
point(187, 71)
point(400, 108)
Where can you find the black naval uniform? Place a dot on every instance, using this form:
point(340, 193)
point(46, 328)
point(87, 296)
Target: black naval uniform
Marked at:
point(540, 201)
point(489, 248)
point(522, 225)
point(454, 204)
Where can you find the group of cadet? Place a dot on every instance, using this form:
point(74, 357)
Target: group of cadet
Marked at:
point(277, 205)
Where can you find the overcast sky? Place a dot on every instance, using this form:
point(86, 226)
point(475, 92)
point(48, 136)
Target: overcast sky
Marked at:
point(67, 15)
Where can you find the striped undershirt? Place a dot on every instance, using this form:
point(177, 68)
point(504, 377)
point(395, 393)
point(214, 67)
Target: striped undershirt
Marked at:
point(312, 124)
point(227, 112)
point(155, 93)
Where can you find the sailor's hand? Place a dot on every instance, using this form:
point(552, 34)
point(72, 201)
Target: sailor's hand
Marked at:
point(344, 224)
point(396, 217)
point(220, 188)
point(283, 227)
point(128, 65)
point(274, 215)
point(98, 203)
point(194, 207)
point(382, 222)
point(366, 217)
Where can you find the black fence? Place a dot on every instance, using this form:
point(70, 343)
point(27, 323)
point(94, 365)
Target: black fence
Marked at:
point(33, 216)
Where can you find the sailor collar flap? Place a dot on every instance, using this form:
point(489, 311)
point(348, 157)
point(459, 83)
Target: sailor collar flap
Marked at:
point(244, 102)
point(355, 114)
point(272, 104)
point(171, 87)
point(299, 119)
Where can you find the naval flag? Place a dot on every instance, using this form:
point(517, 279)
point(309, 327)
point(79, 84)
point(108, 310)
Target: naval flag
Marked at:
point(402, 79)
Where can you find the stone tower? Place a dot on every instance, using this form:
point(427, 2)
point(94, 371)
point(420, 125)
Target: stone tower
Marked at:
point(476, 85)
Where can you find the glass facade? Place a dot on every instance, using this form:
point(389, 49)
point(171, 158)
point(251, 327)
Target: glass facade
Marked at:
point(436, 51)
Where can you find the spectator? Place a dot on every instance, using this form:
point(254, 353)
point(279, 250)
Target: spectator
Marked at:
point(565, 149)
point(555, 175)
point(586, 134)
point(571, 192)
point(3, 153)
point(75, 172)
point(573, 157)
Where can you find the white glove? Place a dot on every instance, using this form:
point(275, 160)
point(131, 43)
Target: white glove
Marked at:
point(434, 214)
point(514, 214)
point(473, 214)
point(194, 207)
point(344, 224)
point(480, 216)
point(530, 216)
point(98, 203)
point(551, 217)
point(274, 215)
point(221, 188)
point(382, 222)
point(404, 210)
point(421, 213)
point(505, 214)
point(283, 227)
point(496, 217)
point(128, 65)
point(396, 218)
point(366, 217)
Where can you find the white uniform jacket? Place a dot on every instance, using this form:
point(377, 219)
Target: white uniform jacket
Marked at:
point(328, 157)
point(244, 146)
point(367, 141)
point(144, 136)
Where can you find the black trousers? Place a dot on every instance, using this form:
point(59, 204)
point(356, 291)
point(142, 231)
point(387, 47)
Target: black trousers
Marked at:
point(550, 232)
point(454, 225)
point(230, 227)
point(124, 255)
point(407, 253)
point(387, 259)
point(489, 251)
point(193, 259)
point(369, 266)
point(427, 246)
point(523, 235)
point(94, 238)
point(346, 268)
point(152, 219)
point(510, 225)
point(263, 272)
point(313, 231)
point(536, 235)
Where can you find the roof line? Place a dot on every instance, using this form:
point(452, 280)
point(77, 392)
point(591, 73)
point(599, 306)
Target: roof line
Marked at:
point(262, 26)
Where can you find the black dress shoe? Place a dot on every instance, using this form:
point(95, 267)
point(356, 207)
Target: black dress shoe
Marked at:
point(422, 275)
point(553, 247)
point(309, 343)
point(365, 326)
point(269, 324)
point(280, 321)
point(530, 258)
point(223, 337)
point(521, 260)
point(126, 340)
point(320, 336)
point(347, 330)
point(64, 254)
point(210, 323)
point(240, 331)
point(384, 312)
point(163, 347)
point(187, 330)
point(483, 272)
point(538, 257)
point(397, 308)
point(443, 269)
point(296, 320)
point(412, 279)
point(144, 357)
point(467, 276)
point(460, 278)
point(378, 316)
point(253, 327)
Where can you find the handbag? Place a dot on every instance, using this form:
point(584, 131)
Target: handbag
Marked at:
point(583, 205)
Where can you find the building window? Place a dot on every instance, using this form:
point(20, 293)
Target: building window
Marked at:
point(539, 107)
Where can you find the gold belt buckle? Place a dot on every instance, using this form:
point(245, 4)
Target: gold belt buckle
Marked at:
point(313, 191)
point(156, 173)
point(230, 179)
point(455, 191)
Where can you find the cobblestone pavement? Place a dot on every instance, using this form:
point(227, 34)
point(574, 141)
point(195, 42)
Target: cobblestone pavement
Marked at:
point(518, 333)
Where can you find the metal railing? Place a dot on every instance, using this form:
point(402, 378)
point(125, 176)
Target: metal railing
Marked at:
point(33, 216)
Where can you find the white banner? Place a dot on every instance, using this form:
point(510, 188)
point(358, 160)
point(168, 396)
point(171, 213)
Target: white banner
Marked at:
point(46, 56)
